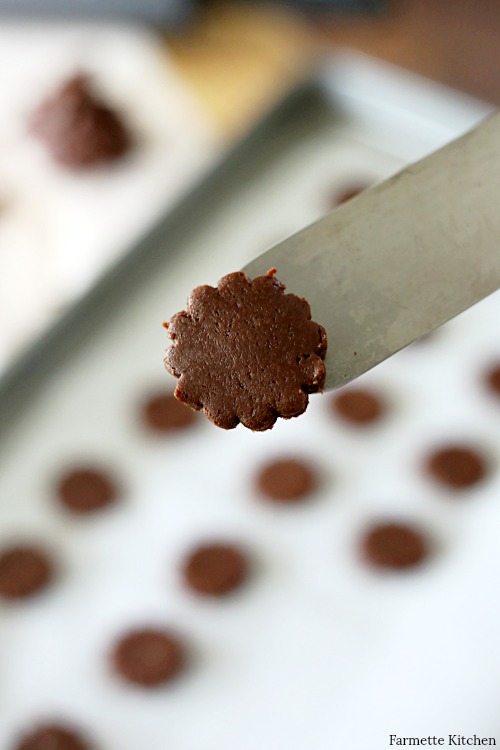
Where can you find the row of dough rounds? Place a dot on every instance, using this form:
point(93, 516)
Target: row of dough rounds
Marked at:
point(148, 657)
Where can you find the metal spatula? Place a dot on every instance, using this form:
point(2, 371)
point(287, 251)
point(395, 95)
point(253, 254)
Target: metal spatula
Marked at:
point(402, 258)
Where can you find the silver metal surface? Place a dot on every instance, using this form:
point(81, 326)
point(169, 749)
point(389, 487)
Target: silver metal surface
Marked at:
point(401, 259)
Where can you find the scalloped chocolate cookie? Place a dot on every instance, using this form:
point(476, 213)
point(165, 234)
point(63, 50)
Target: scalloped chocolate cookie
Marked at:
point(244, 351)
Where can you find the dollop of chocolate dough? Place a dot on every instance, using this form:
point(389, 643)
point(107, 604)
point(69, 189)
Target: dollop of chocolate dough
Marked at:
point(287, 480)
point(24, 570)
point(52, 737)
point(457, 466)
point(394, 545)
point(215, 569)
point(492, 379)
point(358, 405)
point(163, 413)
point(148, 657)
point(78, 128)
point(245, 351)
point(84, 490)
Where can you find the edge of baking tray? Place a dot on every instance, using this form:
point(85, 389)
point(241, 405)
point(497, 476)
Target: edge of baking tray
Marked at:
point(347, 82)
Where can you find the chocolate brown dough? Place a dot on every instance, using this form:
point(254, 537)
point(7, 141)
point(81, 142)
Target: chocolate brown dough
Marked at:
point(148, 657)
point(245, 351)
point(394, 545)
point(492, 379)
point(24, 571)
point(215, 569)
point(164, 413)
point(358, 405)
point(286, 480)
point(86, 490)
point(52, 737)
point(458, 467)
point(78, 128)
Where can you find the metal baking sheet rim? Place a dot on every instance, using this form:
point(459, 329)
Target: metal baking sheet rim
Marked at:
point(347, 83)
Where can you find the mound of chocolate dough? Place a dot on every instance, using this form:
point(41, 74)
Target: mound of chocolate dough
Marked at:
point(287, 480)
point(162, 413)
point(78, 128)
point(394, 545)
point(52, 737)
point(457, 466)
point(148, 657)
point(85, 489)
point(358, 406)
point(24, 570)
point(244, 351)
point(492, 378)
point(215, 569)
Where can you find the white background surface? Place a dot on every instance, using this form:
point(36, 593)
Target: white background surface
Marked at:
point(317, 651)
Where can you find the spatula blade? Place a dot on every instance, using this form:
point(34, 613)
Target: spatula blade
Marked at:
point(402, 258)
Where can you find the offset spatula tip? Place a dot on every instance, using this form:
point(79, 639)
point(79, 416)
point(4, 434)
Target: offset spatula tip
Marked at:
point(402, 258)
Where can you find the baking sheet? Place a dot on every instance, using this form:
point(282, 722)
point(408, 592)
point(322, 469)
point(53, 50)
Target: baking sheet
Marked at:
point(61, 228)
point(317, 651)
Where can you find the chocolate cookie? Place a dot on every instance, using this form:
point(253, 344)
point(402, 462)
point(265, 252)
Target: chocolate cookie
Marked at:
point(215, 569)
point(85, 490)
point(24, 571)
point(246, 352)
point(287, 480)
point(458, 467)
point(492, 379)
point(394, 545)
point(78, 128)
point(148, 657)
point(358, 405)
point(52, 737)
point(165, 413)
